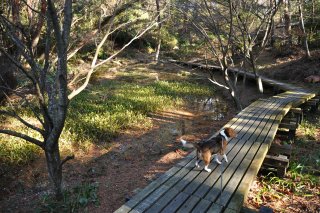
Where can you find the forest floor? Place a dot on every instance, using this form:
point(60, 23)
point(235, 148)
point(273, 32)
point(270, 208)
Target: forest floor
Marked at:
point(110, 176)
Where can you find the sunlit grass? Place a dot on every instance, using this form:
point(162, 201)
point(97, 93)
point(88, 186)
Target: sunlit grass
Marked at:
point(102, 112)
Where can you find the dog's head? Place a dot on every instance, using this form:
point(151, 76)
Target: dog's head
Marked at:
point(228, 133)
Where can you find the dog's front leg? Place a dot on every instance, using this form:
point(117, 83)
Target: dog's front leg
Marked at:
point(207, 169)
point(216, 159)
point(225, 158)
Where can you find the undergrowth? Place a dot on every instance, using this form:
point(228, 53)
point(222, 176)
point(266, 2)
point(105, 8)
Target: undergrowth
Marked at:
point(302, 178)
point(74, 200)
point(102, 112)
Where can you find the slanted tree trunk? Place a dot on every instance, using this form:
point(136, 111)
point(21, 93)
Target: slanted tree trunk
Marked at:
point(304, 40)
point(232, 89)
point(287, 22)
point(159, 31)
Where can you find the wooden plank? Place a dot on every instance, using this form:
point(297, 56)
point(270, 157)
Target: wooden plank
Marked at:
point(239, 196)
point(155, 195)
point(230, 211)
point(202, 206)
point(215, 208)
point(145, 204)
point(153, 186)
point(163, 201)
point(285, 149)
point(189, 204)
point(237, 176)
point(170, 194)
point(176, 203)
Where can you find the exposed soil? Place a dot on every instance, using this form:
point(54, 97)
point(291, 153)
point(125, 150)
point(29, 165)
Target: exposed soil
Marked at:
point(132, 160)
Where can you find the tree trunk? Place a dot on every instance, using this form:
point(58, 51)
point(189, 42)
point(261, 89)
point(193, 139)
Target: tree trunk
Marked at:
point(304, 40)
point(54, 169)
point(232, 89)
point(159, 31)
point(287, 20)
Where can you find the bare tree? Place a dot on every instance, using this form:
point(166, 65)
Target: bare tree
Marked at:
point(214, 22)
point(95, 63)
point(49, 82)
point(254, 21)
point(47, 77)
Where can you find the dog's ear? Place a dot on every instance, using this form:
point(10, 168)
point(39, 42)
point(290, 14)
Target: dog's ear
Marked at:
point(230, 132)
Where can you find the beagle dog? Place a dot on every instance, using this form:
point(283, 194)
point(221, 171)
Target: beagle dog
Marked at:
point(212, 146)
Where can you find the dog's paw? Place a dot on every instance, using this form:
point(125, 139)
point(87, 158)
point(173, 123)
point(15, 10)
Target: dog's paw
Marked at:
point(197, 164)
point(225, 158)
point(218, 162)
point(208, 170)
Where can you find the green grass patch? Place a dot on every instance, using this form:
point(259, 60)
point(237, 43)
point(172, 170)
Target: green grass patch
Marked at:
point(74, 200)
point(103, 112)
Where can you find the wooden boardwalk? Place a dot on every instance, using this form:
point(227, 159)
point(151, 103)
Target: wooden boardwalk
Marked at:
point(185, 188)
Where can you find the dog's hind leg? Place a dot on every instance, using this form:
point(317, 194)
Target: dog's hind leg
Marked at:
point(206, 160)
point(198, 159)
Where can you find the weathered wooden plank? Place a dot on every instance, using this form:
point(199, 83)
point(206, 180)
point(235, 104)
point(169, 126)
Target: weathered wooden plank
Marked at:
point(285, 149)
point(230, 211)
point(189, 204)
point(215, 208)
point(153, 186)
point(155, 195)
point(237, 176)
point(273, 130)
point(239, 196)
point(150, 200)
point(202, 206)
point(163, 201)
point(176, 203)
point(170, 194)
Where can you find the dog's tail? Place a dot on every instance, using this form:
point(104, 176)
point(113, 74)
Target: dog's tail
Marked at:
point(188, 145)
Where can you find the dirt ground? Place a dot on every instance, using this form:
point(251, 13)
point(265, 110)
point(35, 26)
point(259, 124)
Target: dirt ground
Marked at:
point(133, 160)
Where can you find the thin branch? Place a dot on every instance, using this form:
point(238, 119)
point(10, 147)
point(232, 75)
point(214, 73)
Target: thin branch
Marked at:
point(218, 84)
point(24, 122)
point(70, 157)
point(94, 65)
point(22, 136)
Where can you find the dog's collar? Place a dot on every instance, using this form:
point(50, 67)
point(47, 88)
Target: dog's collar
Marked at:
point(223, 134)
